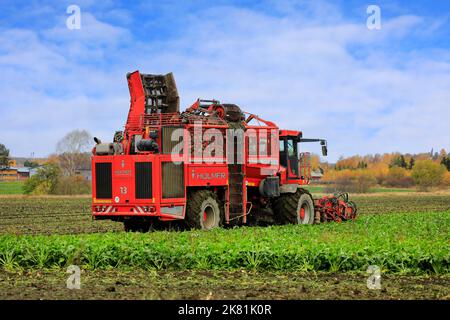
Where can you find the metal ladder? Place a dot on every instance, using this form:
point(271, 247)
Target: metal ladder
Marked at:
point(236, 190)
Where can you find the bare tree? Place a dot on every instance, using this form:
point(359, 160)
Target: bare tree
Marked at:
point(73, 150)
point(76, 141)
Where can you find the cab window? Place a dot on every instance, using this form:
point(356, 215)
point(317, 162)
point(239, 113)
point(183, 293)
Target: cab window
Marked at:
point(290, 147)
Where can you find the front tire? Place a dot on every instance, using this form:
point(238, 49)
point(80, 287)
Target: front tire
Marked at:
point(203, 210)
point(295, 208)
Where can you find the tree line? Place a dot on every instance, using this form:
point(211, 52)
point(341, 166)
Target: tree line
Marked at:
point(425, 171)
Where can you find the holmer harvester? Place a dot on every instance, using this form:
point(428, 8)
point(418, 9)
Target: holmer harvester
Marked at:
point(208, 166)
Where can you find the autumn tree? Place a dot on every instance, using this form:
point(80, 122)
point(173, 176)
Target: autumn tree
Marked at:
point(359, 181)
point(427, 174)
point(30, 164)
point(380, 171)
point(398, 177)
point(446, 162)
point(315, 161)
point(446, 179)
point(4, 155)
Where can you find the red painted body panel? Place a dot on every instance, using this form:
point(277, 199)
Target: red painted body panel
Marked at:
point(289, 133)
point(123, 201)
point(210, 175)
point(197, 172)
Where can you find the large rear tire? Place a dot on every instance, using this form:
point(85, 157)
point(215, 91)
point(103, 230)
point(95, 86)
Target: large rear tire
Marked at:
point(204, 210)
point(295, 208)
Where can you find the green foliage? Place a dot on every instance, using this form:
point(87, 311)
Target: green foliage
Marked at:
point(73, 185)
point(410, 243)
point(446, 162)
point(427, 174)
point(44, 181)
point(11, 187)
point(399, 162)
point(31, 164)
point(49, 180)
point(411, 163)
point(4, 155)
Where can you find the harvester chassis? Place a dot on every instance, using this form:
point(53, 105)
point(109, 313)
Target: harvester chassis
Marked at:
point(137, 181)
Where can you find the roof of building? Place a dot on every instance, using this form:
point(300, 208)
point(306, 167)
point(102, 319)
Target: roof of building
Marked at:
point(316, 174)
point(19, 169)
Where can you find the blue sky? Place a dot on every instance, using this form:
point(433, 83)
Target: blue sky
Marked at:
point(307, 65)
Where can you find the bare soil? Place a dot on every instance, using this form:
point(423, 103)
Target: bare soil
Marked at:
point(72, 215)
point(140, 284)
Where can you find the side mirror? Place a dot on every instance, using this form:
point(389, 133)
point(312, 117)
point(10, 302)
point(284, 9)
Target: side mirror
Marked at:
point(323, 143)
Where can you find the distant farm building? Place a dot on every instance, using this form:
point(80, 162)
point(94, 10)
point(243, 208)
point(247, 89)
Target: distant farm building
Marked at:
point(316, 175)
point(16, 173)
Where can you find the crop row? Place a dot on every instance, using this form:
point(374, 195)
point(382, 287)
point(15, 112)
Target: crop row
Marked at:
point(64, 215)
point(398, 243)
point(402, 203)
point(53, 215)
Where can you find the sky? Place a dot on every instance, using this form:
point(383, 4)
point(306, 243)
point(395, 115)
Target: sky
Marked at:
point(313, 66)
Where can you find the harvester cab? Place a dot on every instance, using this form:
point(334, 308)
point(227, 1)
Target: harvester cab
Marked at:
point(296, 163)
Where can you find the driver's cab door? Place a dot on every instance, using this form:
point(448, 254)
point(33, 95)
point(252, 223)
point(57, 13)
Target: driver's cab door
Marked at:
point(289, 156)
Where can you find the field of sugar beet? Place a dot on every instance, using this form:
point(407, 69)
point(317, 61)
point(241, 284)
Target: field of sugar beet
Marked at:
point(406, 235)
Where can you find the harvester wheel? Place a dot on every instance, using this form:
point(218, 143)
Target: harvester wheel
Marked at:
point(295, 208)
point(134, 225)
point(203, 210)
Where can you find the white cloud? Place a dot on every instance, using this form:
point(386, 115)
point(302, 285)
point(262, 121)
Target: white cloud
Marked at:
point(298, 69)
